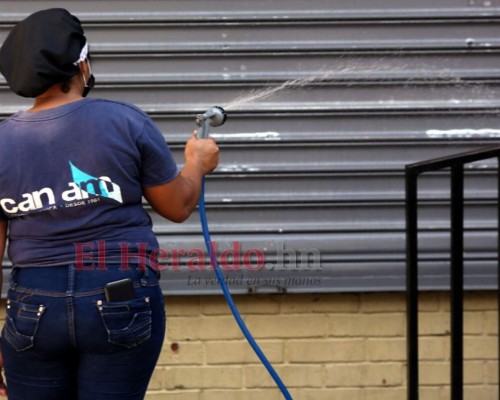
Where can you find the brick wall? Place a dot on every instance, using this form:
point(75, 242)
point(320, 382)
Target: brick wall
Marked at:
point(325, 347)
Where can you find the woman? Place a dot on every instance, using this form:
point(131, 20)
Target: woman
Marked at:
point(73, 172)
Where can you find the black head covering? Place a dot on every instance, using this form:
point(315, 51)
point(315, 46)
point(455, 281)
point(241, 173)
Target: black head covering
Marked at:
point(41, 51)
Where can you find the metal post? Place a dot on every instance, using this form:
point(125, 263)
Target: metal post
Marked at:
point(457, 279)
point(412, 283)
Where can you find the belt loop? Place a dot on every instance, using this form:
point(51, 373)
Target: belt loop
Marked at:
point(71, 280)
point(12, 279)
point(144, 267)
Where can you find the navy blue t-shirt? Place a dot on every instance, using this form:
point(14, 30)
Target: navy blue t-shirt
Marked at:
point(72, 177)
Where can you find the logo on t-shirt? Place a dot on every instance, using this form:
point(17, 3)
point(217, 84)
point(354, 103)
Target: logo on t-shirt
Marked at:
point(84, 189)
point(86, 185)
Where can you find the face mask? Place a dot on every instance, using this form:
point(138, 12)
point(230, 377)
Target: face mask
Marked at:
point(90, 84)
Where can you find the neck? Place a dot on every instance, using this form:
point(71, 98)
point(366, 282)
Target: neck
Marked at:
point(55, 97)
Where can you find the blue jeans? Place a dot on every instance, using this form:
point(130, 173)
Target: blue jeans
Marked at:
point(62, 340)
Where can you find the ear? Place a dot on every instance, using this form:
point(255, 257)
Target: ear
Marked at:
point(84, 68)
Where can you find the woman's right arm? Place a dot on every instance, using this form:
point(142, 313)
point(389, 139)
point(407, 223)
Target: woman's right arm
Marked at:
point(176, 200)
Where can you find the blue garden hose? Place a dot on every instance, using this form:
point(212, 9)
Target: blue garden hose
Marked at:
point(215, 117)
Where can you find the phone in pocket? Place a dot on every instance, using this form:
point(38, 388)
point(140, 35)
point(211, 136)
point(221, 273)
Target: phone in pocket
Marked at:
point(121, 290)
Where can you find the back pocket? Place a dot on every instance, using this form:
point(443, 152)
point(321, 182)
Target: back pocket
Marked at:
point(128, 323)
point(21, 324)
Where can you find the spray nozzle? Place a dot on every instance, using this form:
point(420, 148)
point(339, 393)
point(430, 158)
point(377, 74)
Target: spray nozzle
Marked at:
point(215, 116)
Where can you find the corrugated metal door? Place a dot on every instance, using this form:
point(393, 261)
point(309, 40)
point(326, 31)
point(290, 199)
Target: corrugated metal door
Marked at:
point(311, 177)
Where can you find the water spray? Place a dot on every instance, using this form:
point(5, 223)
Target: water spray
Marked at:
point(216, 116)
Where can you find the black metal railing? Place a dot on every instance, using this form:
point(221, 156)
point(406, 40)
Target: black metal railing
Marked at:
point(456, 164)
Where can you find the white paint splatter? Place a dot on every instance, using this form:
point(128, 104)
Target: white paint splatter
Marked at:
point(237, 168)
point(249, 135)
point(463, 133)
